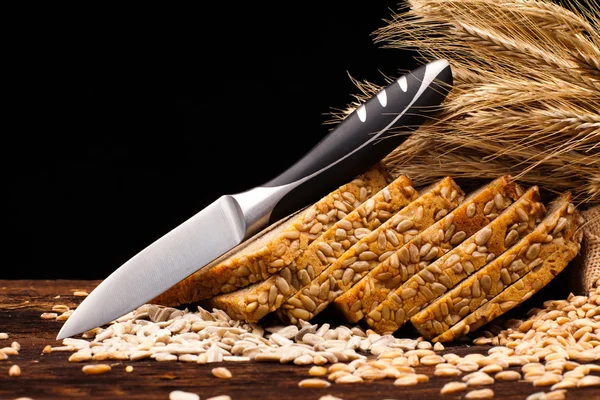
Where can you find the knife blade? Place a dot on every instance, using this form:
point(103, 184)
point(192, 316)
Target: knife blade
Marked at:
point(358, 142)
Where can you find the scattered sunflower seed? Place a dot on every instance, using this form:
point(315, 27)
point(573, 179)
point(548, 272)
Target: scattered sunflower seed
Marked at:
point(181, 395)
point(453, 387)
point(95, 369)
point(14, 370)
point(317, 371)
point(221, 372)
point(314, 383)
point(480, 394)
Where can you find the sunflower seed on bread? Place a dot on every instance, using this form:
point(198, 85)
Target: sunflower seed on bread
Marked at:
point(559, 238)
point(515, 222)
point(255, 301)
point(383, 310)
point(277, 245)
point(444, 195)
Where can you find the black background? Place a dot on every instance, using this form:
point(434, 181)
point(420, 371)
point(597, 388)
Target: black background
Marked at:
point(127, 122)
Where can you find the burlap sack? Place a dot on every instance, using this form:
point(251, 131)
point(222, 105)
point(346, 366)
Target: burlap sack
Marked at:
point(586, 268)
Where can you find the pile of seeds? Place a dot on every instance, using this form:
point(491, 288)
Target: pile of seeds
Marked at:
point(564, 337)
point(556, 347)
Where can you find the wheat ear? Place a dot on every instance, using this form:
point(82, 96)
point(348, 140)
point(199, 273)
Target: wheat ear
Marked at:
point(526, 98)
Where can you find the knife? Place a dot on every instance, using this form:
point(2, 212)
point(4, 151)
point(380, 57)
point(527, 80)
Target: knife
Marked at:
point(358, 142)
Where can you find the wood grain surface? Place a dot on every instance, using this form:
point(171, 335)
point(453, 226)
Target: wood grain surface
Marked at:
point(52, 376)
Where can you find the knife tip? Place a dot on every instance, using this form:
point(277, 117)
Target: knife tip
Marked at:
point(62, 334)
point(69, 329)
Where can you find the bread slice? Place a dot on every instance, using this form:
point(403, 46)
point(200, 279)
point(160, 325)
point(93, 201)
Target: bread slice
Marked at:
point(255, 301)
point(369, 252)
point(550, 249)
point(516, 221)
point(445, 195)
point(480, 207)
point(275, 246)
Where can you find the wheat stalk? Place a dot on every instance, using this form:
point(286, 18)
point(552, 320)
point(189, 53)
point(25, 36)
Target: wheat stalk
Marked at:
point(526, 95)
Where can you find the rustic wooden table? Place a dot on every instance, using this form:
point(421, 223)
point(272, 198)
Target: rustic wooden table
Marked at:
point(51, 376)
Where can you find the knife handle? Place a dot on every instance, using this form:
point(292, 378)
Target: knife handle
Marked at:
point(357, 143)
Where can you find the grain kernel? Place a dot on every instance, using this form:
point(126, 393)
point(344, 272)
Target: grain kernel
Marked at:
point(482, 379)
point(480, 394)
point(313, 383)
point(482, 341)
point(80, 356)
point(317, 371)
point(48, 315)
point(467, 366)
point(95, 369)
point(221, 372)
point(14, 370)
point(508, 376)
point(181, 395)
point(3, 335)
point(447, 372)
point(424, 345)
point(409, 380)
point(432, 360)
point(349, 379)
point(548, 379)
point(491, 369)
point(341, 367)
point(128, 368)
point(453, 387)
point(60, 308)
